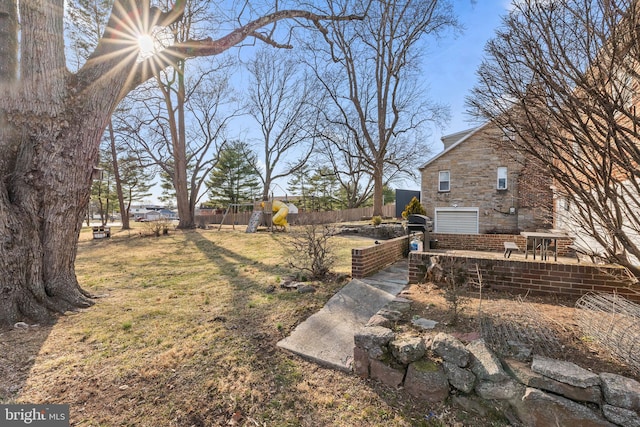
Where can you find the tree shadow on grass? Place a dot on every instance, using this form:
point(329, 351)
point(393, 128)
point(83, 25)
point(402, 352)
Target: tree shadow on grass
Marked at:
point(277, 398)
point(292, 389)
point(19, 348)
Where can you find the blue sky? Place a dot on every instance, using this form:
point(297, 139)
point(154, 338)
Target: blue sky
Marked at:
point(450, 65)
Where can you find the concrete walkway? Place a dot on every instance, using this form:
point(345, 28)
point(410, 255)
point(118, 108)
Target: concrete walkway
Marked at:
point(326, 337)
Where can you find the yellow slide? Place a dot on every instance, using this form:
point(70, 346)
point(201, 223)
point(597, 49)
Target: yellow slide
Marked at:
point(280, 211)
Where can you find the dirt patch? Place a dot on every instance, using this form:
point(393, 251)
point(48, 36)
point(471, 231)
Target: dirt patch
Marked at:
point(544, 324)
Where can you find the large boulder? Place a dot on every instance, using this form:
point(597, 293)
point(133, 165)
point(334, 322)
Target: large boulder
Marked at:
point(407, 348)
point(621, 416)
point(621, 391)
point(505, 390)
point(565, 372)
point(485, 364)
point(526, 376)
point(540, 409)
point(459, 378)
point(374, 340)
point(450, 349)
point(426, 381)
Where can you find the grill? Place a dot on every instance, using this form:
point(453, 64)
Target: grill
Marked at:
point(420, 223)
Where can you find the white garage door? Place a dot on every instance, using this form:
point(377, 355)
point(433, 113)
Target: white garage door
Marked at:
point(458, 221)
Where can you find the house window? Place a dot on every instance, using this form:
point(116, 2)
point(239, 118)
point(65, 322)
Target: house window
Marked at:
point(623, 89)
point(443, 181)
point(508, 135)
point(502, 178)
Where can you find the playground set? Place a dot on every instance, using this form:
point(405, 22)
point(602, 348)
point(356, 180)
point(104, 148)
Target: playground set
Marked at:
point(276, 220)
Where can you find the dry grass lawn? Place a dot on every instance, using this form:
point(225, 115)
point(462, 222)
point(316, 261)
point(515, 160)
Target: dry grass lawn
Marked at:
point(184, 334)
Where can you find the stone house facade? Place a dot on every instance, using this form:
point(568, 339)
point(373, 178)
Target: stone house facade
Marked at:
point(479, 184)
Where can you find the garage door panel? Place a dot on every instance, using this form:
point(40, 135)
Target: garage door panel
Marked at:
point(456, 221)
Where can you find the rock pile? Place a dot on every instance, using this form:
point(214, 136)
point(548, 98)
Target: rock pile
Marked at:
point(382, 232)
point(543, 392)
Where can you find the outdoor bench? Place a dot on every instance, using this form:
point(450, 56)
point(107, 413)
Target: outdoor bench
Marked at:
point(508, 247)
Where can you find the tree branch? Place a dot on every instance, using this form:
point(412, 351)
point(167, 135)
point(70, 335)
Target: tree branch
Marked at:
point(210, 47)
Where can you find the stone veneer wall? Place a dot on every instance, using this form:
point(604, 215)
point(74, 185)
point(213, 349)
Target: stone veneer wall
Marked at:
point(539, 391)
point(572, 280)
point(473, 166)
point(370, 260)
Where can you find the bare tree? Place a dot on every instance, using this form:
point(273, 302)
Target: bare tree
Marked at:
point(132, 179)
point(113, 151)
point(182, 96)
point(87, 23)
point(339, 149)
point(51, 124)
point(564, 77)
point(373, 82)
point(179, 126)
point(284, 103)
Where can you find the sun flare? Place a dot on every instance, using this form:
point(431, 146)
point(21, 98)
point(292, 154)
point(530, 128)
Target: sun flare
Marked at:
point(146, 45)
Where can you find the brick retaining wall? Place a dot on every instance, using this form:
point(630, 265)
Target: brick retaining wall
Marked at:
point(370, 260)
point(572, 280)
point(487, 242)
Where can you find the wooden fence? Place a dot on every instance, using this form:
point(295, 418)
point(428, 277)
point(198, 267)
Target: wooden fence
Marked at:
point(301, 218)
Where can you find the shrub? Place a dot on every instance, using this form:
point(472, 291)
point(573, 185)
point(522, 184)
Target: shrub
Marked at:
point(156, 228)
point(413, 208)
point(376, 220)
point(456, 287)
point(452, 276)
point(311, 250)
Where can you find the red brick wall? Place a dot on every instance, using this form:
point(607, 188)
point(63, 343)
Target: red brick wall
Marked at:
point(487, 242)
point(572, 280)
point(369, 260)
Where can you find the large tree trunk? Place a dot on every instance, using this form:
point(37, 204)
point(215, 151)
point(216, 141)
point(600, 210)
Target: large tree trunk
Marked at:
point(49, 139)
point(124, 214)
point(378, 188)
point(179, 139)
point(42, 208)
point(51, 123)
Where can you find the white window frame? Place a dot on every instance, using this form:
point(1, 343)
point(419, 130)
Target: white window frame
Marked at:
point(442, 181)
point(503, 173)
point(508, 135)
point(623, 88)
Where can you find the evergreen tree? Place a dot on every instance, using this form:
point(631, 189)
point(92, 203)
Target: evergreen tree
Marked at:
point(234, 179)
point(324, 189)
point(414, 207)
point(299, 185)
point(103, 193)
